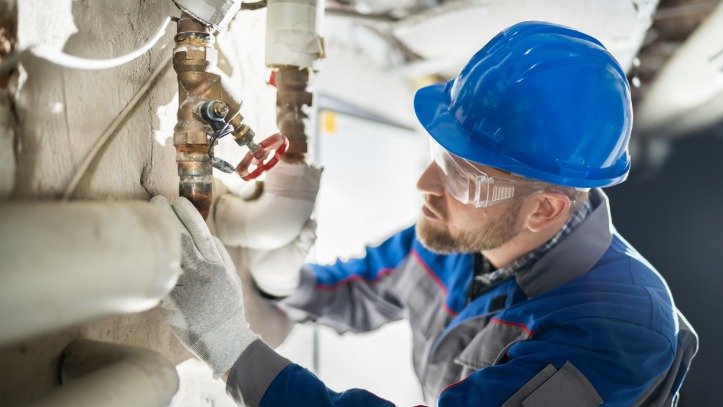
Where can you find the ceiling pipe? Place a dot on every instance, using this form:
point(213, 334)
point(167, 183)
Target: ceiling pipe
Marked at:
point(687, 93)
point(64, 264)
point(104, 374)
point(619, 25)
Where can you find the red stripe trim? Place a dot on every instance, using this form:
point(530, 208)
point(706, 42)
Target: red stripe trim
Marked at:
point(429, 271)
point(455, 384)
point(516, 324)
point(449, 311)
point(356, 277)
point(436, 279)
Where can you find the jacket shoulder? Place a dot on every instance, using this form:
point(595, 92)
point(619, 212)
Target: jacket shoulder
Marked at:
point(623, 285)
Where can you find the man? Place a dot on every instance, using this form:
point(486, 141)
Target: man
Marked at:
point(518, 290)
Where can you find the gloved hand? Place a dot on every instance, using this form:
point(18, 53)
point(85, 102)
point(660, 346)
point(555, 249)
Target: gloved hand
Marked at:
point(205, 309)
point(277, 272)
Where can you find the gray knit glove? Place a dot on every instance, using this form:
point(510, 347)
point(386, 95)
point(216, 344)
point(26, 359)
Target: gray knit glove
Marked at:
point(205, 309)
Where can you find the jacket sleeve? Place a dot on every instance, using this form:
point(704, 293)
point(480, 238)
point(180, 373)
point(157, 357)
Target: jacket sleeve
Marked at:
point(356, 295)
point(562, 366)
point(261, 377)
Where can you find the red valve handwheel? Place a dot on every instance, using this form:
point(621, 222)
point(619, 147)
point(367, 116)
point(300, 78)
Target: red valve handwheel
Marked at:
point(278, 142)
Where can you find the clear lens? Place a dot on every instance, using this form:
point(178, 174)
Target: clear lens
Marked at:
point(470, 186)
point(461, 183)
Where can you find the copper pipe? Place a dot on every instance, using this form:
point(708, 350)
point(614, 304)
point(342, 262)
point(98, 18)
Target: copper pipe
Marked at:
point(293, 102)
point(194, 60)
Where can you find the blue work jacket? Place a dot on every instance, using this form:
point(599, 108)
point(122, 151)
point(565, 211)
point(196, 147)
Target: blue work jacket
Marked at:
point(590, 323)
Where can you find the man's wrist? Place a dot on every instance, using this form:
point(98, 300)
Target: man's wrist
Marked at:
point(221, 347)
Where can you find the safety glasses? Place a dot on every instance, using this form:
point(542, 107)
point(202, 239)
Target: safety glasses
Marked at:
point(471, 186)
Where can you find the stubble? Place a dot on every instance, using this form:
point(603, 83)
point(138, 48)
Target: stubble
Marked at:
point(437, 236)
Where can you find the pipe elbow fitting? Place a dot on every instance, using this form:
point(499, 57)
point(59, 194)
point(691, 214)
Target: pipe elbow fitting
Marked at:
point(277, 217)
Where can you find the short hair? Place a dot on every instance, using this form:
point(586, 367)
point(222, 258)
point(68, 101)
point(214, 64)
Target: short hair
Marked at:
point(577, 196)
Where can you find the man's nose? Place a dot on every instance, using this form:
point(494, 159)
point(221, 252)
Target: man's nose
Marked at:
point(430, 182)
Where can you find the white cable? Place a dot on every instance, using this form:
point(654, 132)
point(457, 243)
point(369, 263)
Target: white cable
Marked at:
point(69, 61)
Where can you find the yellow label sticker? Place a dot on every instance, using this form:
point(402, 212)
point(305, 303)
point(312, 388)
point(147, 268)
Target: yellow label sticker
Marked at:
point(328, 121)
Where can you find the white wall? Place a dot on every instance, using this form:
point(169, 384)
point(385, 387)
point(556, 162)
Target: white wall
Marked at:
point(367, 194)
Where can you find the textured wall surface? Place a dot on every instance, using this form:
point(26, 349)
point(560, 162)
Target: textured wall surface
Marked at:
point(62, 112)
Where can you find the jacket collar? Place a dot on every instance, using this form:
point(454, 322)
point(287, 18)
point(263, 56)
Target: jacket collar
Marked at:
point(575, 255)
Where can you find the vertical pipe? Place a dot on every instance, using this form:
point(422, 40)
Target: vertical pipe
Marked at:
point(293, 102)
point(194, 60)
point(293, 47)
point(8, 85)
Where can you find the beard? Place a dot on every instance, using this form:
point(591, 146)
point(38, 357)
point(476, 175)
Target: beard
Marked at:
point(495, 233)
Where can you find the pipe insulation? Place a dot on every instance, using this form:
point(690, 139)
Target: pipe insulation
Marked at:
point(277, 216)
point(292, 33)
point(67, 263)
point(106, 374)
point(216, 14)
point(687, 93)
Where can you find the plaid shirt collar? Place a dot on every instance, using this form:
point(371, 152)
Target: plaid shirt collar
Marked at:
point(526, 261)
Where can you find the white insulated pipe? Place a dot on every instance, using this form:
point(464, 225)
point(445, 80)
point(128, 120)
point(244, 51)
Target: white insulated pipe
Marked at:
point(687, 93)
point(292, 33)
point(67, 263)
point(276, 217)
point(110, 375)
point(267, 223)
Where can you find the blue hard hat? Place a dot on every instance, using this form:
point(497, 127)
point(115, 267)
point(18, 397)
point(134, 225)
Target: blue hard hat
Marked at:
point(539, 100)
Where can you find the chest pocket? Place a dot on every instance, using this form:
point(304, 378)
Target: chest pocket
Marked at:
point(423, 298)
point(490, 346)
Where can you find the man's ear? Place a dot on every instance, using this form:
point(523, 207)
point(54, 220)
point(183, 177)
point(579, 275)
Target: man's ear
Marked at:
point(548, 208)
